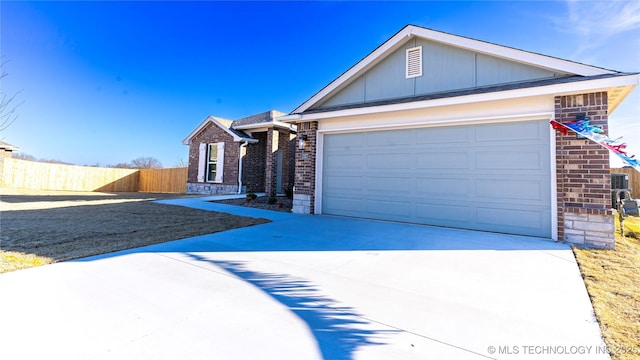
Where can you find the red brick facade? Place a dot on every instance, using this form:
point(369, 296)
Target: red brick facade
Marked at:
point(253, 164)
point(259, 162)
point(214, 134)
point(305, 175)
point(582, 166)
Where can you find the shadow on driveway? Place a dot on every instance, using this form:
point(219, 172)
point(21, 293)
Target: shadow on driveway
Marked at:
point(338, 330)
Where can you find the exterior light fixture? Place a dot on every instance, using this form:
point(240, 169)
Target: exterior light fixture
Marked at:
point(302, 140)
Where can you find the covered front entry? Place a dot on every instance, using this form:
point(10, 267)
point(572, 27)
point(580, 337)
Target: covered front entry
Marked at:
point(489, 177)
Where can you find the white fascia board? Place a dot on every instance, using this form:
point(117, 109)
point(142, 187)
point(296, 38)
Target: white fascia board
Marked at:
point(211, 119)
point(522, 56)
point(265, 125)
point(289, 118)
point(285, 125)
point(555, 90)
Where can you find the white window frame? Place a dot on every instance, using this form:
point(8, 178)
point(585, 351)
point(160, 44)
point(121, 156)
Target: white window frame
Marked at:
point(205, 162)
point(212, 162)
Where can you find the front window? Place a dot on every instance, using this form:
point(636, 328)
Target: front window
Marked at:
point(212, 161)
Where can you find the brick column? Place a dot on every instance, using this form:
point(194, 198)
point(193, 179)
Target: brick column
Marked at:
point(583, 175)
point(271, 166)
point(305, 175)
point(286, 137)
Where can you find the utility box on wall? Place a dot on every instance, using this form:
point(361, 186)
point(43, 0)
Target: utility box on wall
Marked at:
point(619, 181)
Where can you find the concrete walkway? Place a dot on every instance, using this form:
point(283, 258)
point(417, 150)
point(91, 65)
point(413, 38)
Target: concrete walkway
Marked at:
point(307, 287)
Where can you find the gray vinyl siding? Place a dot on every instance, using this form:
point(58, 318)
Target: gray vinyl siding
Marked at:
point(351, 94)
point(387, 79)
point(492, 71)
point(445, 68)
point(490, 177)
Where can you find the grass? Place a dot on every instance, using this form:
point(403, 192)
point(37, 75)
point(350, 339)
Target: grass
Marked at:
point(14, 260)
point(612, 280)
point(42, 229)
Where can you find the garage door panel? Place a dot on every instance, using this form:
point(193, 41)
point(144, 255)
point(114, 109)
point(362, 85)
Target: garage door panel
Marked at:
point(344, 183)
point(511, 189)
point(344, 205)
point(351, 161)
point(442, 160)
point(443, 135)
point(388, 209)
point(510, 132)
point(449, 188)
point(340, 142)
point(448, 214)
point(401, 185)
point(521, 160)
point(524, 222)
point(389, 161)
point(390, 138)
point(491, 177)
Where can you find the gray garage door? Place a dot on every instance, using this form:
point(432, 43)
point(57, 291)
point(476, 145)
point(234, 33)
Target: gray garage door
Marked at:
point(491, 177)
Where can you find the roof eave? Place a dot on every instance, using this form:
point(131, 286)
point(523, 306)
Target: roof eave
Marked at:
point(212, 119)
point(270, 124)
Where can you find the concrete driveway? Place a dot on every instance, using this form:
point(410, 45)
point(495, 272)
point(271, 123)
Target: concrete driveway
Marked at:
point(307, 287)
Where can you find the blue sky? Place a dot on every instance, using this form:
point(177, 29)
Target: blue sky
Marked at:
point(107, 82)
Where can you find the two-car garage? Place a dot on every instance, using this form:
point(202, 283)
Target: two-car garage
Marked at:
point(489, 177)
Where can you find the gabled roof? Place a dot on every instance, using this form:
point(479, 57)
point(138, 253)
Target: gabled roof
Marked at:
point(223, 124)
point(504, 52)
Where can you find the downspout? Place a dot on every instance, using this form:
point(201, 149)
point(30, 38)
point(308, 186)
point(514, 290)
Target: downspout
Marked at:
point(240, 167)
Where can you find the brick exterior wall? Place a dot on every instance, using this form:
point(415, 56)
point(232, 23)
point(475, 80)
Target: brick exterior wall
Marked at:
point(287, 146)
point(583, 175)
point(213, 134)
point(305, 175)
point(273, 139)
point(253, 164)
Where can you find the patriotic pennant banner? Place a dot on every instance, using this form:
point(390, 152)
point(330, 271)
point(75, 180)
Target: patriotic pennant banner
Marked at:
point(594, 133)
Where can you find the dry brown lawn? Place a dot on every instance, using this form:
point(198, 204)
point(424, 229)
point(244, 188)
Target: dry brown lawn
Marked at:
point(612, 279)
point(38, 228)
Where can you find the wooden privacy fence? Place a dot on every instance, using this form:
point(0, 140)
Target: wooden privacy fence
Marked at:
point(634, 180)
point(172, 180)
point(23, 174)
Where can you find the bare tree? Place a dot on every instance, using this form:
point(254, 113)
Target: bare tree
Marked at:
point(7, 102)
point(23, 156)
point(181, 163)
point(146, 162)
point(121, 166)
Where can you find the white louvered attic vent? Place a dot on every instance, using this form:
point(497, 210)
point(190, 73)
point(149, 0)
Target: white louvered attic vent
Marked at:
point(414, 62)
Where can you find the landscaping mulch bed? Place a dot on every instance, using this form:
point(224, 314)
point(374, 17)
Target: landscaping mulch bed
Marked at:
point(282, 203)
